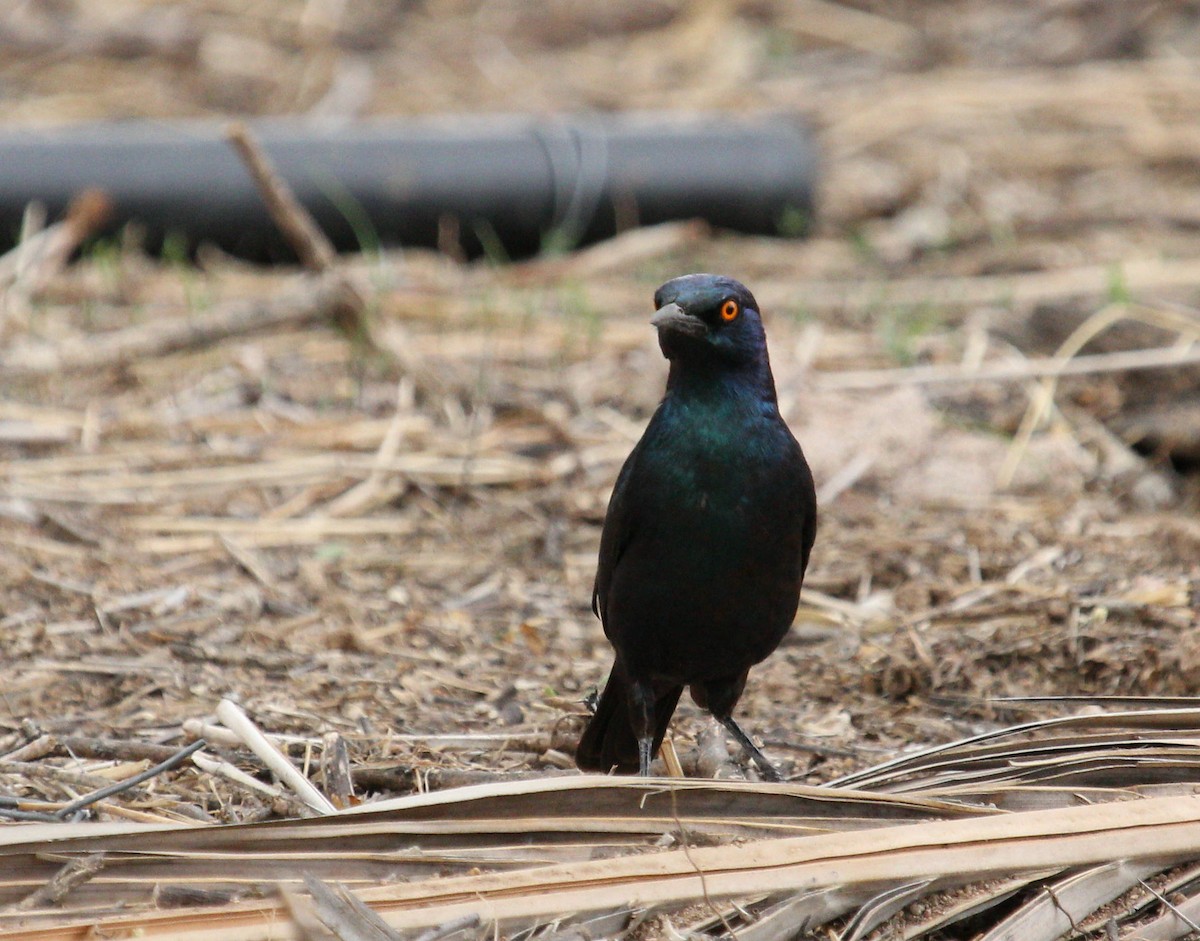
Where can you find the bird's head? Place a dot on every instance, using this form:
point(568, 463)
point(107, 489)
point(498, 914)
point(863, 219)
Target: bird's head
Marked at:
point(709, 319)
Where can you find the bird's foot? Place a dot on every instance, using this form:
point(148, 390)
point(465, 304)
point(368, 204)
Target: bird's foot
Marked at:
point(766, 770)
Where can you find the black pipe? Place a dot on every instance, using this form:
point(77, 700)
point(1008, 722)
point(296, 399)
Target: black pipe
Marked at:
point(511, 184)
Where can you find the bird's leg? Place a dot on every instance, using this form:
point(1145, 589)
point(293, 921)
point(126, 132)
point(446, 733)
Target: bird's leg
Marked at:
point(641, 707)
point(765, 768)
point(645, 756)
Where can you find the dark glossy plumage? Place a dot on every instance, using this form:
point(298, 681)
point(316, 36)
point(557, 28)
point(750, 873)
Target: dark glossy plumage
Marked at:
point(707, 534)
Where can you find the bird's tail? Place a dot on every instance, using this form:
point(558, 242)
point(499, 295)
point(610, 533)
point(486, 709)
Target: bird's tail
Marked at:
point(609, 741)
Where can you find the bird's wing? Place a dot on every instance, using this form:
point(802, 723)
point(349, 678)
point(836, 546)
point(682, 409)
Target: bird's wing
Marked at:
point(618, 530)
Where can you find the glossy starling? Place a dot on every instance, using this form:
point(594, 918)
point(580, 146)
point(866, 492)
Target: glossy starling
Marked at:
point(707, 534)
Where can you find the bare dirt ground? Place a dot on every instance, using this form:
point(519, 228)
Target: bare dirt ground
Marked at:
point(397, 544)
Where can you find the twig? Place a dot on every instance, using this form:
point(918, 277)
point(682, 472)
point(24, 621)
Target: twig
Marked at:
point(107, 749)
point(211, 765)
point(312, 301)
point(14, 813)
point(335, 769)
point(51, 773)
point(100, 749)
point(119, 786)
point(251, 562)
point(1042, 400)
point(1139, 276)
point(364, 493)
point(1167, 902)
point(23, 432)
point(268, 752)
point(40, 257)
point(30, 242)
point(75, 872)
point(666, 751)
point(1014, 371)
point(140, 487)
point(404, 780)
point(40, 747)
point(219, 735)
point(282, 802)
point(1049, 890)
point(687, 852)
point(313, 249)
point(346, 915)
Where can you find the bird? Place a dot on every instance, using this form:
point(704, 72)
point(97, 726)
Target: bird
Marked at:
point(707, 533)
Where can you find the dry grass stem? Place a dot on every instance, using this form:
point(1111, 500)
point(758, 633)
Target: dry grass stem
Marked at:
point(239, 723)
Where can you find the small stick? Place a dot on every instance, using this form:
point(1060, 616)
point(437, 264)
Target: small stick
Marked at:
point(283, 803)
point(359, 496)
point(33, 224)
point(12, 813)
point(41, 256)
point(1051, 366)
point(313, 249)
point(107, 749)
point(1041, 403)
point(75, 872)
point(219, 735)
point(40, 747)
point(250, 561)
point(205, 762)
point(50, 773)
point(116, 788)
point(308, 302)
point(666, 751)
point(268, 752)
point(406, 779)
point(335, 768)
point(1175, 910)
point(346, 915)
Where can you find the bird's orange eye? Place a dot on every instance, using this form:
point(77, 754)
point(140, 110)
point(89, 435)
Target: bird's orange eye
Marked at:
point(729, 310)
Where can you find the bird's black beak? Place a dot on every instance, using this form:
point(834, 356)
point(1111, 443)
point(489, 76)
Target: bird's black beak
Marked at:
point(671, 318)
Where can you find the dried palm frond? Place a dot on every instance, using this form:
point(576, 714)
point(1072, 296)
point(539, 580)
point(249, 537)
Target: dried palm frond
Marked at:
point(1035, 831)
